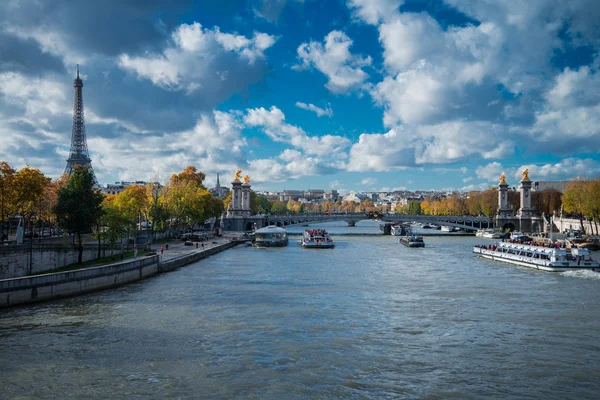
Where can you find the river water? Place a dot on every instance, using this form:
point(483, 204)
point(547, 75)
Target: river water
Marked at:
point(370, 319)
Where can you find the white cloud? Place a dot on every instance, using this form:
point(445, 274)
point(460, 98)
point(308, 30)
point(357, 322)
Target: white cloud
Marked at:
point(273, 123)
point(572, 111)
point(214, 144)
point(317, 110)
point(410, 146)
point(368, 181)
point(491, 172)
point(566, 169)
point(199, 57)
point(342, 68)
point(374, 11)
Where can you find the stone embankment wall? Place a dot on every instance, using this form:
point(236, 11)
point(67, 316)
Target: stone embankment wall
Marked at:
point(62, 284)
point(17, 261)
point(565, 224)
point(31, 289)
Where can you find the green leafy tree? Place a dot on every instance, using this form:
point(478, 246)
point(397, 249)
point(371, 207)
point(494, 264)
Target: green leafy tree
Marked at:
point(413, 207)
point(278, 207)
point(574, 199)
point(79, 206)
point(264, 205)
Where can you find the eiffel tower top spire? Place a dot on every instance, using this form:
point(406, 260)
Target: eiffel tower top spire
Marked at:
point(79, 151)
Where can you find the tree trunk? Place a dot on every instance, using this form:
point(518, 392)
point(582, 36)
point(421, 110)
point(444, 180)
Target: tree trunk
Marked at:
point(80, 248)
point(581, 222)
point(99, 244)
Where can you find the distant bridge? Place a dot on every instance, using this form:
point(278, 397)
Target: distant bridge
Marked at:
point(248, 223)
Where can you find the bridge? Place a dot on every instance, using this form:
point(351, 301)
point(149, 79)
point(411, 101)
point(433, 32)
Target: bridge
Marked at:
point(247, 223)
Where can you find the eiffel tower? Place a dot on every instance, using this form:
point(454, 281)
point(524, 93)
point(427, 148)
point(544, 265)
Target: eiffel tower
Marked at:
point(79, 151)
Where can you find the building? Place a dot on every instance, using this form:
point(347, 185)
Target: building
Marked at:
point(218, 191)
point(314, 194)
point(288, 195)
point(331, 195)
point(355, 197)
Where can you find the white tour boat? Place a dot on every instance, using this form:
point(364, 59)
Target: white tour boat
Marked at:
point(539, 257)
point(317, 239)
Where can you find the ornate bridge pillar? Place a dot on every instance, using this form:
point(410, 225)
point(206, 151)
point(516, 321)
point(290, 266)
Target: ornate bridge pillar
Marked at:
point(505, 215)
point(245, 206)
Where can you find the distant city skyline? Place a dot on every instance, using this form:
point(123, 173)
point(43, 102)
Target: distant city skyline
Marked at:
point(351, 95)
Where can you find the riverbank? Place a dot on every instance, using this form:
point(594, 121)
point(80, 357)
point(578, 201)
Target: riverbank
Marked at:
point(43, 287)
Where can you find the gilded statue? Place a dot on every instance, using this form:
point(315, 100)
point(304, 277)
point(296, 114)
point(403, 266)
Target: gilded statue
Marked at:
point(247, 179)
point(502, 179)
point(525, 174)
point(237, 176)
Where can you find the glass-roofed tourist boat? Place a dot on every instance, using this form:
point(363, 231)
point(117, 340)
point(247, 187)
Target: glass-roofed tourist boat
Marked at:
point(547, 258)
point(270, 236)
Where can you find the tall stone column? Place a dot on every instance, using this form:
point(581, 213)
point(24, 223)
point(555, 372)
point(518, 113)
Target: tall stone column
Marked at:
point(504, 207)
point(526, 210)
point(236, 197)
point(246, 200)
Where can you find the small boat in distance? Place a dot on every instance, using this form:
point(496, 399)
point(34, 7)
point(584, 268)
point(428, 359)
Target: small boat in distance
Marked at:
point(270, 236)
point(412, 240)
point(317, 239)
point(546, 258)
point(397, 230)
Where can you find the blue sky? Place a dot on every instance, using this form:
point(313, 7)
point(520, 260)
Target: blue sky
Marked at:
point(343, 94)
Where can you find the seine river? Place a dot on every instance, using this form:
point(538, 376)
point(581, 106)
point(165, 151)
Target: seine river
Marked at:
point(370, 319)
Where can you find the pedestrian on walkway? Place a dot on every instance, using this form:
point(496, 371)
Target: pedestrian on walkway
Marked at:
point(202, 246)
point(196, 244)
point(121, 256)
point(167, 246)
point(162, 250)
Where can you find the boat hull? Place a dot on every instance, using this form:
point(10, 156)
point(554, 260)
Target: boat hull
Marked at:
point(318, 246)
point(272, 243)
point(412, 244)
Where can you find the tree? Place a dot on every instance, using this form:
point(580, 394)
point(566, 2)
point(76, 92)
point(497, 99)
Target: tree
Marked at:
point(114, 221)
point(264, 205)
point(574, 199)
point(278, 207)
point(413, 207)
point(79, 206)
point(29, 186)
point(7, 176)
point(189, 175)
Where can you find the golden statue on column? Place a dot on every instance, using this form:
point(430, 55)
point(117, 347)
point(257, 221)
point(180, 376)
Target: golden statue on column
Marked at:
point(247, 179)
point(237, 176)
point(502, 179)
point(525, 174)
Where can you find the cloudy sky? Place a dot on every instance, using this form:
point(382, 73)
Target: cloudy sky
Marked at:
point(341, 94)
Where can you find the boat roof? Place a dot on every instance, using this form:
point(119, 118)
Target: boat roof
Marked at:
point(538, 249)
point(270, 229)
